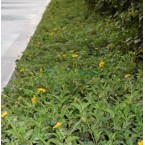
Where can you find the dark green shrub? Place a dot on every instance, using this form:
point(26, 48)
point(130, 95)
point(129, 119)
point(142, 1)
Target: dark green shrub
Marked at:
point(128, 14)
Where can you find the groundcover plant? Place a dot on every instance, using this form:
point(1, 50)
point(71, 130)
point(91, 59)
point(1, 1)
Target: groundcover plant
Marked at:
point(77, 83)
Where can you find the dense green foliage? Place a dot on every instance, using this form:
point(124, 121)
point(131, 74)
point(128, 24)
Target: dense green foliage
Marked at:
point(90, 89)
point(128, 14)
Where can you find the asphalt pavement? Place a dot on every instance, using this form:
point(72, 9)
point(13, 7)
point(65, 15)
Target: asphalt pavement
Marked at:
point(19, 20)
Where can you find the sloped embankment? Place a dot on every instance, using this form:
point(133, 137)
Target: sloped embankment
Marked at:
point(73, 85)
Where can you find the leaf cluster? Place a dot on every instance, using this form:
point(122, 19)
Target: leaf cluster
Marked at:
point(95, 105)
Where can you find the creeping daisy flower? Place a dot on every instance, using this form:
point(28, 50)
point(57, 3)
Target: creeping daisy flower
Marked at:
point(57, 125)
point(41, 90)
point(4, 114)
point(34, 99)
point(21, 70)
point(127, 75)
point(101, 64)
point(140, 142)
point(74, 56)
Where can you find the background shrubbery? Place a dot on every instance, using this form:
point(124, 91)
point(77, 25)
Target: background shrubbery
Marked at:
point(128, 14)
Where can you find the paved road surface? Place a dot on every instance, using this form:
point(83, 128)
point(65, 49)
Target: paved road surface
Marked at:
point(19, 19)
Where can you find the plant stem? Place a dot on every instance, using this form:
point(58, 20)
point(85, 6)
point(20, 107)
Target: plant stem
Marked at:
point(74, 127)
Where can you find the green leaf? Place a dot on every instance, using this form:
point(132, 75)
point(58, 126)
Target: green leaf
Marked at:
point(137, 41)
point(28, 93)
point(71, 138)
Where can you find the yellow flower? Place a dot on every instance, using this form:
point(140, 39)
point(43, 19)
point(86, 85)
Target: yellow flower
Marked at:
point(74, 55)
point(101, 29)
point(57, 72)
point(101, 64)
point(64, 55)
point(101, 95)
point(127, 75)
point(34, 99)
point(4, 114)
point(21, 70)
point(140, 142)
point(83, 119)
point(41, 70)
point(107, 24)
point(58, 56)
point(41, 90)
point(72, 51)
point(109, 46)
point(51, 34)
point(19, 99)
point(96, 48)
point(57, 125)
point(75, 99)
